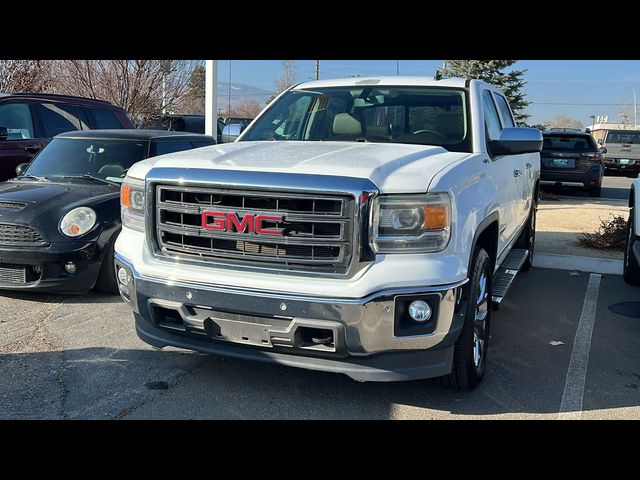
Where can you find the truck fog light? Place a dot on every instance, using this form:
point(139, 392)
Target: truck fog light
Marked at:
point(123, 277)
point(419, 311)
point(70, 267)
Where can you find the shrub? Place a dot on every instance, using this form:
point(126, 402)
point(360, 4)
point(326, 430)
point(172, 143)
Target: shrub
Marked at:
point(610, 235)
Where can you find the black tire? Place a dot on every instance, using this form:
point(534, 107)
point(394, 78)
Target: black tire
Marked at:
point(527, 239)
point(107, 281)
point(595, 191)
point(470, 350)
point(631, 269)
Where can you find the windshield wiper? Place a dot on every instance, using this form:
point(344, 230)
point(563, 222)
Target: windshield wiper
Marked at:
point(35, 177)
point(88, 176)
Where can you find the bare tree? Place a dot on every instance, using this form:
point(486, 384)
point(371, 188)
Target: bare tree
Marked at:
point(141, 87)
point(25, 76)
point(248, 108)
point(563, 121)
point(288, 77)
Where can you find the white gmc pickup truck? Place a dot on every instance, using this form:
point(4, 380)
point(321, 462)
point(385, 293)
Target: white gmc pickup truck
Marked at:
point(365, 226)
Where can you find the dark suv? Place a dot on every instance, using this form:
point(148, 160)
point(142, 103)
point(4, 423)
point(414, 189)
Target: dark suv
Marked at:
point(28, 121)
point(571, 158)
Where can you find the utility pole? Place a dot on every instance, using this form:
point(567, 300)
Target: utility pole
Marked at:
point(229, 88)
point(635, 110)
point(317, 69)
point(398, 67)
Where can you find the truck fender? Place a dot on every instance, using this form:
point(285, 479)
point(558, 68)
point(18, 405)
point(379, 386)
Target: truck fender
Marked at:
point(484, 224)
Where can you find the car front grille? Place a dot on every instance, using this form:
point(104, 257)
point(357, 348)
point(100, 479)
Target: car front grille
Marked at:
point(315, 231)
point(20, 236)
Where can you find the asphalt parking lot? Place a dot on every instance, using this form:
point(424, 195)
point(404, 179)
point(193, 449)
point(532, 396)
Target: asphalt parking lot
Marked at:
point(553, 355)
point(79, 358)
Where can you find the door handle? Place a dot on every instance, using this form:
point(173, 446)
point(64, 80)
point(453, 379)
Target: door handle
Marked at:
point(517, 173)
point(33, 149)
point(528, 165)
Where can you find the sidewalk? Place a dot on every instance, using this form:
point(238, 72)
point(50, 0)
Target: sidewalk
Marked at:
point(559, 223)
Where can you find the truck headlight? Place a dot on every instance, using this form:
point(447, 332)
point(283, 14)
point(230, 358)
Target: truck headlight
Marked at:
point(132, 203)
point(411, 223)
point(78, 221)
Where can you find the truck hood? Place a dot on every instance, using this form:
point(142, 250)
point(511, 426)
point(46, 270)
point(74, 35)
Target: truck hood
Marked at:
point(392, 167)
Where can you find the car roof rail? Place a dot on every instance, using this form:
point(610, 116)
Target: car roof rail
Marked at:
point(59, 96)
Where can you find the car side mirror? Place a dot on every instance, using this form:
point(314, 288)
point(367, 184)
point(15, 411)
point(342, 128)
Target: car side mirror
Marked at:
point(602, 150)
point(21, 168)
point(4, 134)
point(230, 133)
point(516, 140)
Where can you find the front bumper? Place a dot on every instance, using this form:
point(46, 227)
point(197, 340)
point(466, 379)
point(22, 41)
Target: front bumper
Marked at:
point(368, 339)
point(45, 267)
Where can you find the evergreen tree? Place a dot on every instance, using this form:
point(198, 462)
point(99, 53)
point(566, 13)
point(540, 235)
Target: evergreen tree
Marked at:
point(511, 82)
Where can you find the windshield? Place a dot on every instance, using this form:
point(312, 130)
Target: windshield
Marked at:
point(104, 159)
point(416, 115)
point(623, 136)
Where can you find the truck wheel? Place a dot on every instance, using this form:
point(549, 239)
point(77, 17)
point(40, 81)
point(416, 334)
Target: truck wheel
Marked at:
point(107, 281)
point(470, 351)
point(527, 239)
point(631, 270)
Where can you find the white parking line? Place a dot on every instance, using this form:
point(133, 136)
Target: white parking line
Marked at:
point(571, 405)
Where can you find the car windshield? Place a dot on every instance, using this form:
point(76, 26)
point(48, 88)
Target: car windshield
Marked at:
point(106, 160)
point(569, 143)
point(415, 115)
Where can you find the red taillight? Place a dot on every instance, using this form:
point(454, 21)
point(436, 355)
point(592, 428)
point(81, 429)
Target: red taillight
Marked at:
point(594, 157)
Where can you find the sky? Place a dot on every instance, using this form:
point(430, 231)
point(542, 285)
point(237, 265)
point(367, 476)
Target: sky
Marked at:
point(575, 88)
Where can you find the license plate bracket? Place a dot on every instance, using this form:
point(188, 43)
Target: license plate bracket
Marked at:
point(238, 331)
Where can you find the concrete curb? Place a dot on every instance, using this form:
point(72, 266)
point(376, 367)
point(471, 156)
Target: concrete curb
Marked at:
point(574, 262)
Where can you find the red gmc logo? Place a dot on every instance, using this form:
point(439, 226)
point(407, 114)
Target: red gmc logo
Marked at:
point(250, 223)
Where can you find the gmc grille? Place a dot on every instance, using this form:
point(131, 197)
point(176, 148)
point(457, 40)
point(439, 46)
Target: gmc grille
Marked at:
point(317, 229)
point(19, 236)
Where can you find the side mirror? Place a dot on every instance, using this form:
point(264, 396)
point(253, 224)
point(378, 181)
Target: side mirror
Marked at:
point(602, 149)
point(516, 140)
point(231, 132)
point(4, 134)
point(21, 168)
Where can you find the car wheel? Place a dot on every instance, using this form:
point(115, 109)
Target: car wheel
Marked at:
point(470, 350)
point(631, 269)
point(527, 239)
point(107, 281)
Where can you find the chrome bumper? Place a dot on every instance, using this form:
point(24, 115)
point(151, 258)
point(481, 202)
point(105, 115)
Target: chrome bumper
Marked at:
point(271, 322)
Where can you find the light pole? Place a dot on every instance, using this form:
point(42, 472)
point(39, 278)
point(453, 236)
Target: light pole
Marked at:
point(398, 67)
point(593, 121)
point(635, 110)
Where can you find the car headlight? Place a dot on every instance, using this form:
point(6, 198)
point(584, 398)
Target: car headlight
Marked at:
point(78, 221)
point(411, 223)
point(132, 203)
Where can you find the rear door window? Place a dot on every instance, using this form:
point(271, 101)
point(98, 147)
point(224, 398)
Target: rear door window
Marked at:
point(57, 118)
point(103, 118)
point(16, 117)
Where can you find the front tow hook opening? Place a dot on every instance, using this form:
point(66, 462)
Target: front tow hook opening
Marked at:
point(315, 339)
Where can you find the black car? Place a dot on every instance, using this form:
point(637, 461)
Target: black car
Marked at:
point(60, 218)
point(571, 158)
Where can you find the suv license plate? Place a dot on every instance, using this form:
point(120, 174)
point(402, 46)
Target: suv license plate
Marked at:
point(624, 161)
